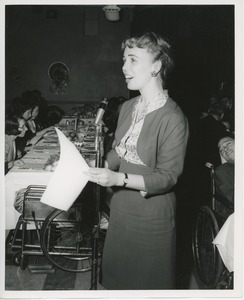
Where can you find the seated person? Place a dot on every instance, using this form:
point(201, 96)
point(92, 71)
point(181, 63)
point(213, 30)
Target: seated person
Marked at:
point(27, 107)
point(55, 114)
point(36, 129)
point(42, 117)
point(22, 109)
point(14, 127)
point(209, 131)
point(224, 174)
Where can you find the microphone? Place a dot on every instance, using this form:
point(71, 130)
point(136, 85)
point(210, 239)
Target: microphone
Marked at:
point(101, 110)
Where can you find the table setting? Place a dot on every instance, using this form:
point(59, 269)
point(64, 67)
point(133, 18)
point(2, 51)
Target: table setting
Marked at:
point(41, 161)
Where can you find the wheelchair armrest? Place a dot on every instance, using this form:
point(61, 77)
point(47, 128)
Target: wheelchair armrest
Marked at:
point(225, 202)
point(209, 165)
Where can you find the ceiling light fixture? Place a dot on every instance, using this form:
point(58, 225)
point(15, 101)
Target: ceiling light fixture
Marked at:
point(111, 12)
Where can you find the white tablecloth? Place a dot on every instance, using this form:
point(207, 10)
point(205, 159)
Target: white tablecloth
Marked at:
point(32, 173)
point(66, 182)
point(225, 243)
point(15, 181)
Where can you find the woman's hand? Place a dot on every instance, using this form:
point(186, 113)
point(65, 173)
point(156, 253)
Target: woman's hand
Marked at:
point(18, 154)
point(19, 162)
point(102, 176)
point(48, 129)
point(10, 164)
point(91, 163)
point(32, 142)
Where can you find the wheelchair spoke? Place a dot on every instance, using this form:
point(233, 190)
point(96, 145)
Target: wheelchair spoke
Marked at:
point(66, 241)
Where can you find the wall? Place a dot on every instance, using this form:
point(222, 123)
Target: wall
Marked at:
point(79, 36)
point(202, 38)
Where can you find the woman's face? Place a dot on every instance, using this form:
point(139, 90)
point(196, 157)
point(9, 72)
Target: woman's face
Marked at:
point(22, 127)
point(34, 112)
point(137, 67)
point(27, 114)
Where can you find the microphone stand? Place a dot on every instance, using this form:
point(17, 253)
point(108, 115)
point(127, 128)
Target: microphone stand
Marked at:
point(99, 148)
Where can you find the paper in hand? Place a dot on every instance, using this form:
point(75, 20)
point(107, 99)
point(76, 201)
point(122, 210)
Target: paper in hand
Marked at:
point(68, 179)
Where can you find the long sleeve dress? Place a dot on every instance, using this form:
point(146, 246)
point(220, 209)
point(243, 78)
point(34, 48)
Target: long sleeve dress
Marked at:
point(10, 150)
point(139, 250)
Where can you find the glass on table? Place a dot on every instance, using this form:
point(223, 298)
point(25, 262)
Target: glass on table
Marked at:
point(82, 131)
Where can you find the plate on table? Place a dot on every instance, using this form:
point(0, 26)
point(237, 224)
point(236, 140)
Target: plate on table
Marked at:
point(50, 146)
point(31, 166)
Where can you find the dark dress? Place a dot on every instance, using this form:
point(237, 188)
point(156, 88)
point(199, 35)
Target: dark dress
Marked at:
point(139, 251)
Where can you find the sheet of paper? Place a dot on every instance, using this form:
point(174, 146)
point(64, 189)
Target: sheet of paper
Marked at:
point(225, 243)
point(68, 179)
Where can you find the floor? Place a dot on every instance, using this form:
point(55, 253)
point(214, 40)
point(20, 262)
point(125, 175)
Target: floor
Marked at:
point(20, 280)
point(17, 279)
point(36, 278)
point(55, 279)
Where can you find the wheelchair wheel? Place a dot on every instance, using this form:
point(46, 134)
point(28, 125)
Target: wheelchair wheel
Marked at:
point(16, 259)
point(208, 262)
point(66, 241)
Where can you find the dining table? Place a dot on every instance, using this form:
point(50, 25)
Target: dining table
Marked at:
point(35, 169)
point(32, 172)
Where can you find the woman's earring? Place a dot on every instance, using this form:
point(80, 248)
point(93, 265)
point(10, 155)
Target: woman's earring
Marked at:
point(154, 74)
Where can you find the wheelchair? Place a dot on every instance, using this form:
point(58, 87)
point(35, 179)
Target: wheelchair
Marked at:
point(65, 238)
point(208, 263)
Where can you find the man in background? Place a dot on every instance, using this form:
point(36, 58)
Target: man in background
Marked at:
point(224, 173)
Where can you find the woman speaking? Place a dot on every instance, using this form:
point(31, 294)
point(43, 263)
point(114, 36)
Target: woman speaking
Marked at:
point(143, 167)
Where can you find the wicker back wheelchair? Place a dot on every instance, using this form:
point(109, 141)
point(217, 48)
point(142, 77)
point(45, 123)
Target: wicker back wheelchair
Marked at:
point(64, 237)
point(209, 220)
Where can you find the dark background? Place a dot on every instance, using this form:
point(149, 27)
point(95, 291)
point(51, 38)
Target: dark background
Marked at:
point(202, 37)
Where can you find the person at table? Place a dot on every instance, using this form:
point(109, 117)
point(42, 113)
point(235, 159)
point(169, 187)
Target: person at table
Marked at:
point(224, 174)
point(42, 119)
point(143, 167)
point(22, 109)
point(35, 126)
point(27, 107)
point(14, 127)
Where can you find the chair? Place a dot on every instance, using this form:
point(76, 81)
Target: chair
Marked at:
point(26, 235)
point(208, 263)
point(64, 238)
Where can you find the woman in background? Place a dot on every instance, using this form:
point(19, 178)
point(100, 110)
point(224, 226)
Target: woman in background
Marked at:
point(14, 127)
point(143, 167)
point(27, 107)
point(36, 125)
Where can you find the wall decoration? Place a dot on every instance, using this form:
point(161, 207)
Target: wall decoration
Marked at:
point(58, 72)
